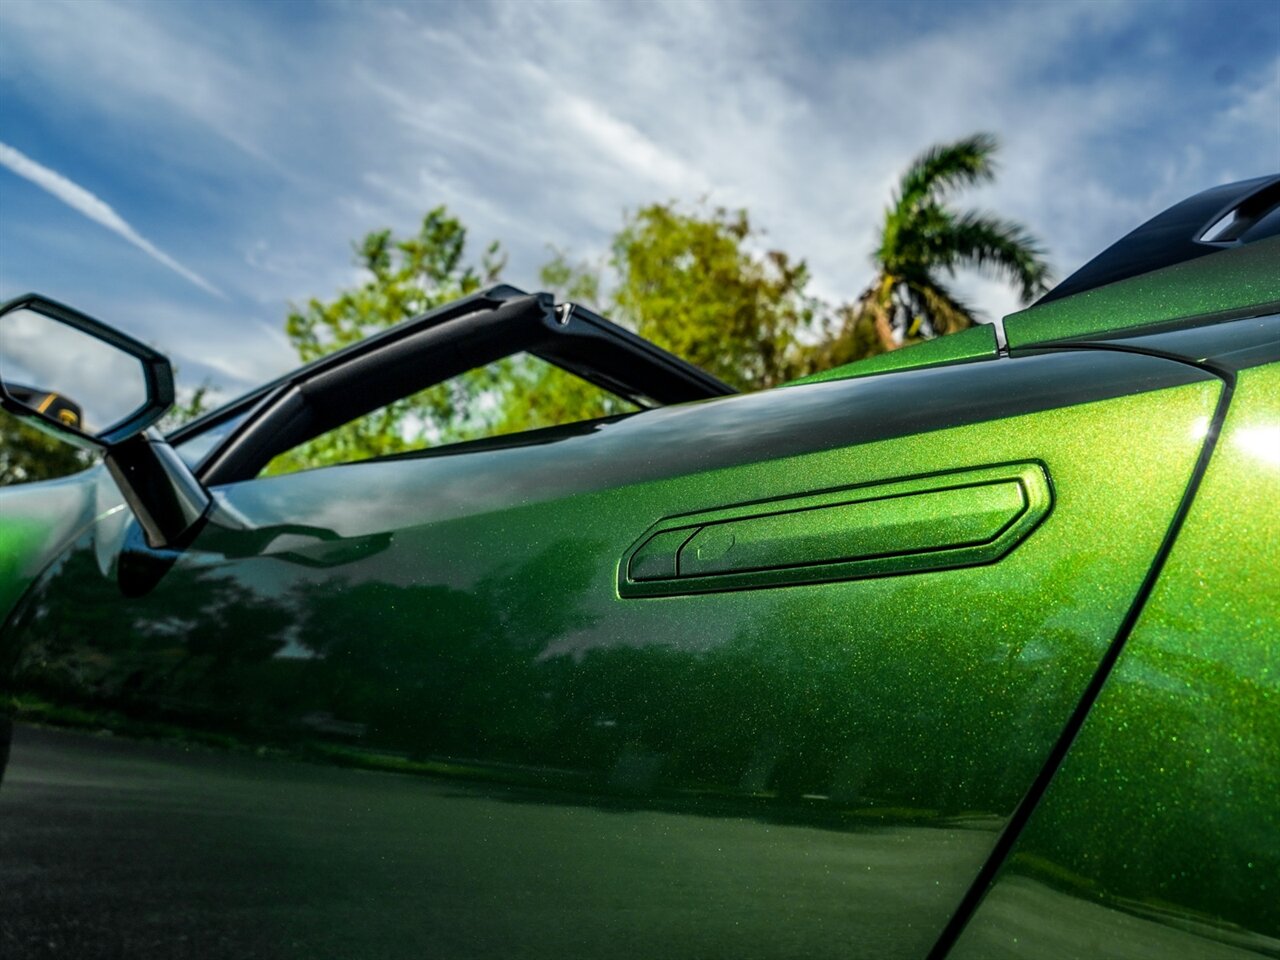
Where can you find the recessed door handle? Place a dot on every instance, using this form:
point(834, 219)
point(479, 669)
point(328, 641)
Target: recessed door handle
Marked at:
point(946, 520)
point(907, 523)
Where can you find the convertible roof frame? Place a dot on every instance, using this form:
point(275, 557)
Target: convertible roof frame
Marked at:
point(467, 333)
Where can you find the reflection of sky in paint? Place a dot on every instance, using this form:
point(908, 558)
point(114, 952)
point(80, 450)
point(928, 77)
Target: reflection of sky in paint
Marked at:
point(106, 383)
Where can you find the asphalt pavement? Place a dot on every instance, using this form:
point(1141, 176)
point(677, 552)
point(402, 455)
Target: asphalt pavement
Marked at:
point(112, 848)
point(115, 848)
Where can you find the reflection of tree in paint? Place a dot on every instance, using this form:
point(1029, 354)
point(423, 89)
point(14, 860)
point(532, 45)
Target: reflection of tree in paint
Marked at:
point(433, 669)
point(421, 668)
point(77, 639)
point(437, 671)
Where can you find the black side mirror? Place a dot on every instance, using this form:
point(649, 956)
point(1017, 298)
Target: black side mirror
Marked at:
point(88, 382)
point(91, 385)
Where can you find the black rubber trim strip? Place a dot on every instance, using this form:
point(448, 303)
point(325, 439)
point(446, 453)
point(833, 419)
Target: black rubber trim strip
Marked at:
point(1022, 814)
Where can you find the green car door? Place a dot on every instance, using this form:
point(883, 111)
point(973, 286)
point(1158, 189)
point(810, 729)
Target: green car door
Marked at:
point(763, 676)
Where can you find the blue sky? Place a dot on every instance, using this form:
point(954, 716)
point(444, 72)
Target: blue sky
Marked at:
point(185, 170)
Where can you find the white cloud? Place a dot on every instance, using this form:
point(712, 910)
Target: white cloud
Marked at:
point(642, 103)
point(96, 209)
point(108, 384)
point(205, 345)
point(150, 65)
point(624, 146)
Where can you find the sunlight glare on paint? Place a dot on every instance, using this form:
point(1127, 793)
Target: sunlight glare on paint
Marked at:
point(1261, 442)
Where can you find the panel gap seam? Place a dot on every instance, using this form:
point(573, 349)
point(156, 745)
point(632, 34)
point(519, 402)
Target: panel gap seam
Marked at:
point(1022, 814)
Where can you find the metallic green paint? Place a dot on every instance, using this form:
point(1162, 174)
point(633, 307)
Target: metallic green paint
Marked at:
point(976, 343)
point(1244, 278)
point(1160, 835)
point(458, 617)
point(928, 523)
point(1225, 346)
point(36, 522)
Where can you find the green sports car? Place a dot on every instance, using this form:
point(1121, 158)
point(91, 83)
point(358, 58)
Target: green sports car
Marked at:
point(968, 650)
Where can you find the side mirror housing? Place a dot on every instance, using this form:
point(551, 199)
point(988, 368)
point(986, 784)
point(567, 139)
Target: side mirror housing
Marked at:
point(91, 385)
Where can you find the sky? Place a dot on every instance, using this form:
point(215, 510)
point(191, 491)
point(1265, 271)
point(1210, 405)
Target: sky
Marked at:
point(185, 171)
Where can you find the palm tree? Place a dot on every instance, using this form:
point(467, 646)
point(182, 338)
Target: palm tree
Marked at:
point(922, 238)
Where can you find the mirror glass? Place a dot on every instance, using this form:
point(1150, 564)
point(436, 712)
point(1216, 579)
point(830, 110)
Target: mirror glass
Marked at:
point(67, 375)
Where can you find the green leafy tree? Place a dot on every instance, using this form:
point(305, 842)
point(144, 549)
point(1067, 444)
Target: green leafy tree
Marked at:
point(536, 394)
point(923, 241)
point(195, 404)
point(574, 282)
point(404, 278)
point(692, 282)
point(539, 394)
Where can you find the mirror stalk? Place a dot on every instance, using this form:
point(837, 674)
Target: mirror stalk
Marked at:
point(159, 487)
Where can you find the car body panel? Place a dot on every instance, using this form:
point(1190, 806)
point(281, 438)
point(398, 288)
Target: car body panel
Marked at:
point(1160, 835)
point(1245, 278)
point(976, 343)
point(837, 758)
point(37, 521)
point(1225, 346)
